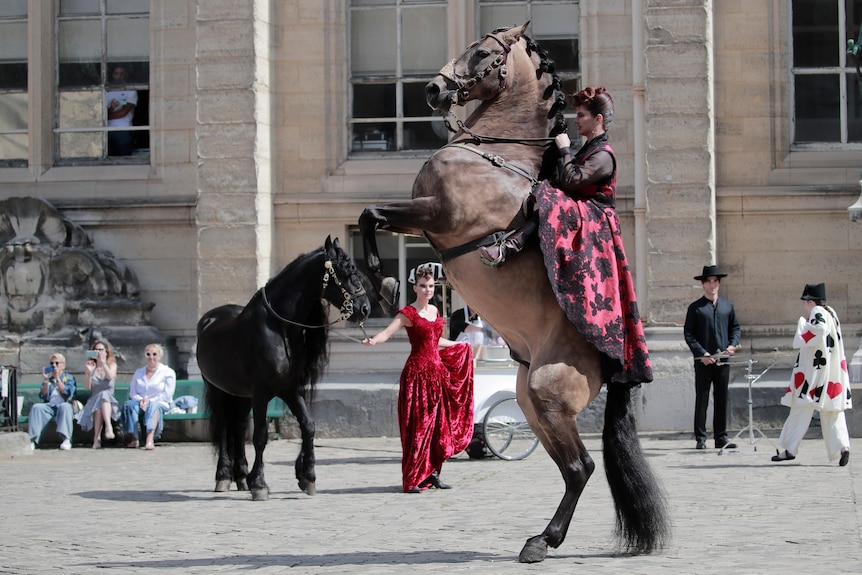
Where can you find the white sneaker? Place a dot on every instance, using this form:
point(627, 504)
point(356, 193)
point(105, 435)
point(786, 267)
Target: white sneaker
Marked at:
point(66, 445)
point(32, 446)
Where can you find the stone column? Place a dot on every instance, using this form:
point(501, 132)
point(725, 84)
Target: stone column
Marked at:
point(680, 154)
point(234, 176)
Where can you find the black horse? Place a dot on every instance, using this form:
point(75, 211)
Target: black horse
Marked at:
point(275, 346)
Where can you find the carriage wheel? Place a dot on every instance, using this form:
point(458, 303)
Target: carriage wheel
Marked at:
point(507, 433)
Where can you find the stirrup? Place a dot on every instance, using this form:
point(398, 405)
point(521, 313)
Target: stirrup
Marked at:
point(488, 258)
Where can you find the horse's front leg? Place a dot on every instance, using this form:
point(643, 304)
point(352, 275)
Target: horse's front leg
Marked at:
point(256, 479)
point(305, 474)
point(408, 217)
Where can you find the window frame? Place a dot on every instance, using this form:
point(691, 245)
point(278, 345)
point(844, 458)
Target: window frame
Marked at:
point(843, 69)
point(103, 87)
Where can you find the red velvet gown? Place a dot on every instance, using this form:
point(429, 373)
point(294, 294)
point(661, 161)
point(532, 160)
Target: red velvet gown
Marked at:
point(435, 400)
point(579, 232)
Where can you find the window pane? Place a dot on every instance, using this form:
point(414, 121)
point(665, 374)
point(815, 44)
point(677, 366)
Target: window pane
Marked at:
point(374, 101)
point(81, 110)
point(501, 17)
point(854, 108)
point(128, 7)
point(129, 39)
point(424, 39)
point(80, 145)
point(815, 33)
point(377, 137)
point(13, 147)
point(554, 21)
point(11, 8)
point(373, 43)
point(79, 7)
point(425, 135)
point(13, 111)
point(817, 108)
point(13, 55)
point(414, 100)
point(80, 53)
point(565, 53)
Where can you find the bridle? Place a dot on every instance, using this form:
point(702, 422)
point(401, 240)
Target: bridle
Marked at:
point(346, 309)
point(465, 84)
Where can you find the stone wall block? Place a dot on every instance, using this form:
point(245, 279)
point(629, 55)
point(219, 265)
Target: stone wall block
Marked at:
point(677, 26)
point(224, 107)
point(225, 39)
point(677, 61)
point(225, 140)
point(683, 131)
point(226, 242)
point(226, 73)
point(676, 96)
point(218, 10)
point(228, 174)
point(226, 208)
point(680, 166)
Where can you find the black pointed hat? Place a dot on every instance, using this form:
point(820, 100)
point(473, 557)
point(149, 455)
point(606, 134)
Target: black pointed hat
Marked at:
point(814, 291)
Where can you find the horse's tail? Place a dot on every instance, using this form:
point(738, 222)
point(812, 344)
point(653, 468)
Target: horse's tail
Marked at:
point(228, 420)
point(641, 509)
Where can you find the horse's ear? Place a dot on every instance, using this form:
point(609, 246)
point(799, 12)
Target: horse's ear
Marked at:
point(519, 31)
point(327, 245)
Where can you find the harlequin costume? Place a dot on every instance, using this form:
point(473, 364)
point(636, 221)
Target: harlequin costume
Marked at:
point(435, 400)
point(581, 241)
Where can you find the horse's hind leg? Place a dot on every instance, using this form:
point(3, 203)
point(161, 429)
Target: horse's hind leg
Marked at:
point(555, 400)
point(305, 473)
point(227, 425)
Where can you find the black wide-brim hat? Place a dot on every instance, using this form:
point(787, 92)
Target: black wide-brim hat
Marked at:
point(814, 292)
point(710, 271)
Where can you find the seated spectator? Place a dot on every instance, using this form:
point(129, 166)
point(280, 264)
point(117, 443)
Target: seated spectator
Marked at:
point(57, 392)
point(150, 395)
point(102, 408)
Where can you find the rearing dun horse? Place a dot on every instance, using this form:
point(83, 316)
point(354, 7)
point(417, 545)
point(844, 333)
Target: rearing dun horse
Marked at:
point(461, 195)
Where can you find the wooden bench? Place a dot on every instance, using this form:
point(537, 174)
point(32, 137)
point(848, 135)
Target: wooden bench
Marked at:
point(178, 426)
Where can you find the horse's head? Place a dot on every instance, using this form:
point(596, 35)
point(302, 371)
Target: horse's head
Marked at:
point(477, 74)
point(344, 284)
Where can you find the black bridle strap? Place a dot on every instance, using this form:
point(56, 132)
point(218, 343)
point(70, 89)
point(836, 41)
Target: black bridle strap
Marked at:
point(480, 139)
point(498, 161)
point(346, 307)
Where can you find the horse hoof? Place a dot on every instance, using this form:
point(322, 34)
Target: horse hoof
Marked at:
point(222, 486)
point(308, 487)
point(241, 485)
point(389, 289)
point(535, 550)
point(260, 494)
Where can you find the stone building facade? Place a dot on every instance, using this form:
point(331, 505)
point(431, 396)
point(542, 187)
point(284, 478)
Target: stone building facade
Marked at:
point(256, 146)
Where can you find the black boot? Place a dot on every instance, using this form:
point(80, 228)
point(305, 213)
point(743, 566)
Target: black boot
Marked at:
point(497, 254)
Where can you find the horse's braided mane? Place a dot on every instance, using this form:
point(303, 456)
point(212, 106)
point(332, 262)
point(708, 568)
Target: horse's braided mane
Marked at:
point(555, 91)
point(308, 352)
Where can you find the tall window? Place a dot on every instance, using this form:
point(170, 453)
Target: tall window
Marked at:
point(103, 81)
point(827, 92)
point(396, 47)
point(13, 83)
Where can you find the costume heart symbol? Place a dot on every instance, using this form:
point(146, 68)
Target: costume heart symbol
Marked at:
point(833, 389)
point(798, 379)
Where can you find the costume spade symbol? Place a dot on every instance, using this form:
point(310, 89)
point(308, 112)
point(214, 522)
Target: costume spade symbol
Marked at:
point(830, 341)
point(819, 361)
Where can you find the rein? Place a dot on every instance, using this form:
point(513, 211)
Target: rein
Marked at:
point(480, 139)
point(346, 308)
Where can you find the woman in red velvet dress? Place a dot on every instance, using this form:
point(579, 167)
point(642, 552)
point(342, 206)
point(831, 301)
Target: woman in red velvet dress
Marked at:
point(435, 398)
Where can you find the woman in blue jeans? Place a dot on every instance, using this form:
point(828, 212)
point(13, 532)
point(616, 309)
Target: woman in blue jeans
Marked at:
point(150, 395)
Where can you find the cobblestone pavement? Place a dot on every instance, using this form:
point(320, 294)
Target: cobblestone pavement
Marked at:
point(131, 511)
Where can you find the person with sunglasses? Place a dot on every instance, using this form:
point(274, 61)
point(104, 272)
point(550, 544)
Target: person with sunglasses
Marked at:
point(102, 409)
point(151, 393)
point(56, 393)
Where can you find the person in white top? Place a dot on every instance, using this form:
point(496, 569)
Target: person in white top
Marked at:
point(150, 395)
point(121, 105)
